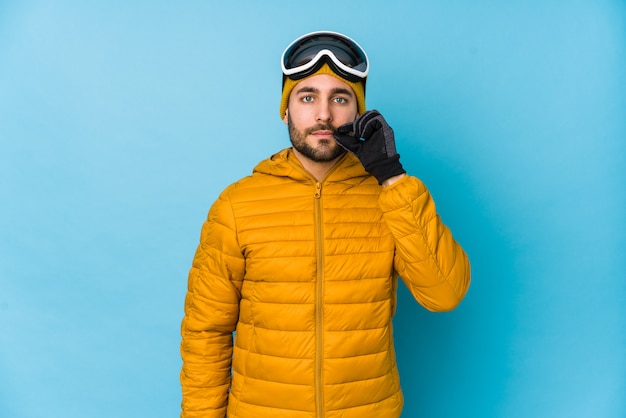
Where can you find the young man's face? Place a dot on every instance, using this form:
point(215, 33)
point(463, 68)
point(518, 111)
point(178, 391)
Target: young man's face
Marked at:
point(318, 105)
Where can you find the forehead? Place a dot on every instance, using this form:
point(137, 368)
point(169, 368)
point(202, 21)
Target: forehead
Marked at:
point(323, 83)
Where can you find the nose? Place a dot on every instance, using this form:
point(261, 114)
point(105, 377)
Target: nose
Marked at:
point(323, 112)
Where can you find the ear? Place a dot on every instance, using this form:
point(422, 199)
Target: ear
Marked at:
point(286, 117)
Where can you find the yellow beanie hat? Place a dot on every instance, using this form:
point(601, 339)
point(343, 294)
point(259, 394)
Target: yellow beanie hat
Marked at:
point(289, 84)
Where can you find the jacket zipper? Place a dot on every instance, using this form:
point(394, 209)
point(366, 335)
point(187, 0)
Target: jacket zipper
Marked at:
point(319, 308)
point(319, 302)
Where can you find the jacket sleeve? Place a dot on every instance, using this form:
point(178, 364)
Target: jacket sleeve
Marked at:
point(428, 259)
point(211, 314)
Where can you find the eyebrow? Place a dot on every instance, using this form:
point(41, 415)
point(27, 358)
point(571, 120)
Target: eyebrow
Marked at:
point(336, 90)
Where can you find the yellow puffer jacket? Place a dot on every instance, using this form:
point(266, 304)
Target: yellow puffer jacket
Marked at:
point(306, 273)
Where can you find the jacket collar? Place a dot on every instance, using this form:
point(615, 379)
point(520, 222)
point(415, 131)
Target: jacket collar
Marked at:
point(285, 164)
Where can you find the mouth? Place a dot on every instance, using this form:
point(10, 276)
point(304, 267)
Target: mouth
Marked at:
point(322, 133)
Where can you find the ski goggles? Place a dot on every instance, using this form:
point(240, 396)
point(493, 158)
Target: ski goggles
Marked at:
point(307, 54)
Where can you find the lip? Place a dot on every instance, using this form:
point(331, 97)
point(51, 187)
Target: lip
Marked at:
point(323, 133)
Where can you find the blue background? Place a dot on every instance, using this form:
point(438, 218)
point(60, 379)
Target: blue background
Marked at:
point(121, 121)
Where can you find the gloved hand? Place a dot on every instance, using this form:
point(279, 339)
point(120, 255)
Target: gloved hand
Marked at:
point(377, 150)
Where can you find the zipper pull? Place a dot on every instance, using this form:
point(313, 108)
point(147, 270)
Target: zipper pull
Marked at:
point(318, 190)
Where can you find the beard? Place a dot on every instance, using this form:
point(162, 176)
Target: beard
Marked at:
point(328, 149)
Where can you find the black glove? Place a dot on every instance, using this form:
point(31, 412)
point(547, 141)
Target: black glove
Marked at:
point(378, 150)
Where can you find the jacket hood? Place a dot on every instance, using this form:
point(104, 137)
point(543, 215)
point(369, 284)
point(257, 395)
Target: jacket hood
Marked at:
point(285, 164)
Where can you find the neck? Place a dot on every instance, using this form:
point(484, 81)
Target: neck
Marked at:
point(315, 168)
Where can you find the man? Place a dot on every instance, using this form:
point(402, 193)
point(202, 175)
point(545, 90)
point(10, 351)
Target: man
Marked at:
point(301, 259)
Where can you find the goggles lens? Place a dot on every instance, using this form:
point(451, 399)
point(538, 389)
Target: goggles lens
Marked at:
point(308, 53)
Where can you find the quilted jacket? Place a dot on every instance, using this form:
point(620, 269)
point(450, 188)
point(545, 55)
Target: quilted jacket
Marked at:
point(305, 273)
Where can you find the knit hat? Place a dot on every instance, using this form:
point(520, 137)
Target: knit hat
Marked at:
point(289, 84)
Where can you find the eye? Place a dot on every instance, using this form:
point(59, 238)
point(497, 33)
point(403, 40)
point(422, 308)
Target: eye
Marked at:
point(307, 99)
point(340, 100)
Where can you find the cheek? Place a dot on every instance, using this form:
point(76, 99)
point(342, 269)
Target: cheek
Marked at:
point(345, 117)
point(300, 117)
